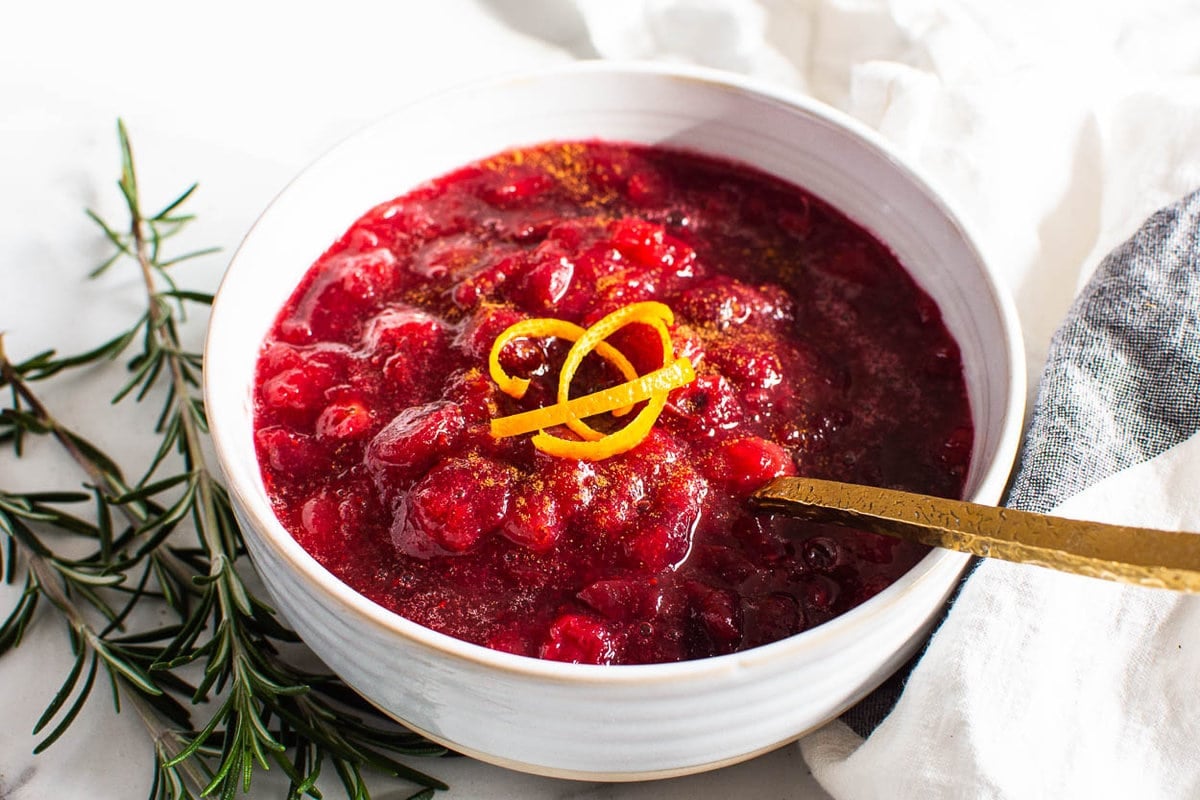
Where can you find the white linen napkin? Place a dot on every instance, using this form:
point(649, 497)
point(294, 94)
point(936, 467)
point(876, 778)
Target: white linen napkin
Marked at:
point(1054, 129)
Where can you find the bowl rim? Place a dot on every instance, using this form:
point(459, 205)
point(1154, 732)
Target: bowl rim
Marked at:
point(272, 533)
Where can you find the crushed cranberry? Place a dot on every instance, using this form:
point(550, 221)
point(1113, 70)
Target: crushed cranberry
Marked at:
point(814, 354)
point(580, 640)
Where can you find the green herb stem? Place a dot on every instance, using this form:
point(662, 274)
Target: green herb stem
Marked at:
point(259, 707)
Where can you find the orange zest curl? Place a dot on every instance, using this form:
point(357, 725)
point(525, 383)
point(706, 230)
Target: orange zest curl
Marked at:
point(620, 399)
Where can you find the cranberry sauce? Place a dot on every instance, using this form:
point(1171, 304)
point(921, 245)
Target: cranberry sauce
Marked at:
point(814, 354)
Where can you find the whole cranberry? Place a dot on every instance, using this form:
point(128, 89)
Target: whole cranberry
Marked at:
point(746, 463)
point(298, 386)
point(344, 419)
point(545, 283)
point(518, 190)
point(449, 510)
point(410, 444)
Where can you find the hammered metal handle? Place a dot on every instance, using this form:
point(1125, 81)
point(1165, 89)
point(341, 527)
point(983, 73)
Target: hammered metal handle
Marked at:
point(1142, 556)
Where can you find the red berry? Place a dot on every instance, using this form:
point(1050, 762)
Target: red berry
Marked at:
point(344, 419)
point(533, 520)
point(649, 245)
point(321, 532)
point(546, 283)
point(445, 257)
point(398, 326)
point(365, 277)
point(571, 233)
point(751, 368)
point(410, 444)
point(747, 463)
point(620, 290)
point(361, 238)
point(455, 505)
point(410, 345)
point(295, 389)
point(571, 482)
point(657, 548)
point(524, 357)
point(301, 380)
point(292, 454)
point(641, 344)
point(510, 642)
point(688, 344)
point(486, 281)
point(277, 356)
point(348, 285)
point(555, 276)
point(614, 509)
point(579, 639)
point(653, 502)
point(727, 303)
point(474, 393)
point(479, 333)
point(820, 593)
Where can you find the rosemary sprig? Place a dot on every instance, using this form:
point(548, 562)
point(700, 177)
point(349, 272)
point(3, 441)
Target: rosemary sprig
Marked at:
point(260, 709)
point(74, 587)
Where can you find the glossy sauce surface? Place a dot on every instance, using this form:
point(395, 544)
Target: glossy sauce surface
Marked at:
point(814, 354)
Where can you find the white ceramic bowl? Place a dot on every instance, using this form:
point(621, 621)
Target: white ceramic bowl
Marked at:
point(606, 722)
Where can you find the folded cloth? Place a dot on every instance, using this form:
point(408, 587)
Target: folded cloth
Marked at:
point(1040, 684)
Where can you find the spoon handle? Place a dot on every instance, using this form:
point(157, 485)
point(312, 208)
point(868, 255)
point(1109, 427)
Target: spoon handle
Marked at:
point(1143, 556)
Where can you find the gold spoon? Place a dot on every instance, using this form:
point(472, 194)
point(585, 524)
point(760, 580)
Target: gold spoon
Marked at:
point(1143, 556)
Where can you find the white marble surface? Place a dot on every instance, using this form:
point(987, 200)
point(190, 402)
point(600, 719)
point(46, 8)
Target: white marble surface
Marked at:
point(239, 97)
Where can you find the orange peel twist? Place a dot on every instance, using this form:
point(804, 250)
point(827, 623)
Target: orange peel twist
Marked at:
point(652, 387)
